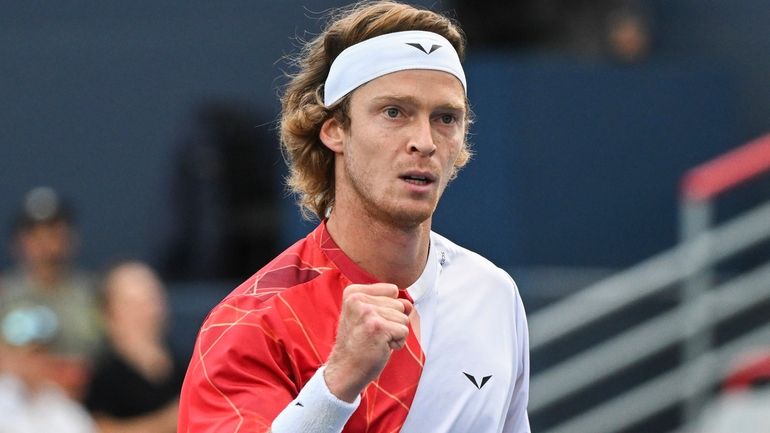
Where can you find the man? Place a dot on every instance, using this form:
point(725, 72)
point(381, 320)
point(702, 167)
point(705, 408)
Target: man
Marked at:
point(372, 323)
point(45, 246)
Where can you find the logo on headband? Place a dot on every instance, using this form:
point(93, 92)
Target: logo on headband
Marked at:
point(419, 46)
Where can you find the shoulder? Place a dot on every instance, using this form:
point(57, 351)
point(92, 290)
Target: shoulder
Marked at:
point(463, 269)
point(279, 322)
point(12, 281)
point(287, 286)
point(296, 267)
point(460, 259)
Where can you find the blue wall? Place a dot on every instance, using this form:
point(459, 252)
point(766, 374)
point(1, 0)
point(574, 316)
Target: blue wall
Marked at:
point(730, 34)
point(96, 96)
point(577, 163)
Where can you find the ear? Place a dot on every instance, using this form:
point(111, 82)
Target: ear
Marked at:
point(332, 134)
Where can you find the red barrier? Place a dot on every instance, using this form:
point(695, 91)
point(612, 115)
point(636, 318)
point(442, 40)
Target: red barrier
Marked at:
point(710, 179)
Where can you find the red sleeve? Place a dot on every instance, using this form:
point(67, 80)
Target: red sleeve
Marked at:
point(239, 377)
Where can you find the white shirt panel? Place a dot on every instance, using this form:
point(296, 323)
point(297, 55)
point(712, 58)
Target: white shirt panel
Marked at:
point(473, 332)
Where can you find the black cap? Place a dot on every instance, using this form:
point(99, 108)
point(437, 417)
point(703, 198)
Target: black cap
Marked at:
point(43, 205)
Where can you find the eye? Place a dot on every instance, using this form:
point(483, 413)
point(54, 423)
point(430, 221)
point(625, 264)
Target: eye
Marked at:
point(448, 118)
point(392, 112)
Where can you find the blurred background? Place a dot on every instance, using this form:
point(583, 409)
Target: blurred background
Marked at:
point(619, 177)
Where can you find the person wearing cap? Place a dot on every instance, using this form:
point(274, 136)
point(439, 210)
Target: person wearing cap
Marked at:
point(45, 245)
point(29, 400)
point(372, 323)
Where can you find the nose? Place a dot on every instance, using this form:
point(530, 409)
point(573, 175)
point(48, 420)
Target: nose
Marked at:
point(421, 138)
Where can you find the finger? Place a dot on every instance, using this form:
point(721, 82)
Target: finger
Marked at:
point(392, 315)
point(398, 304)
point(397, 344)
point(359, 299)
point(398, 335)
point(407, 305)
point(376, 289)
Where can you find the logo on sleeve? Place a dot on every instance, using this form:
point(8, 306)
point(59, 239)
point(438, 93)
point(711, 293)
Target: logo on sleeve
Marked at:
point(419, 46)
point(475, 383)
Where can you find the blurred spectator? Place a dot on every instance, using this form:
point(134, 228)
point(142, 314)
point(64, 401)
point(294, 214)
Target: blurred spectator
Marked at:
point(225, 194)
point(135, 385)
point(45, 245)
point(611, 29)
point(628, 34)
point(29, 401)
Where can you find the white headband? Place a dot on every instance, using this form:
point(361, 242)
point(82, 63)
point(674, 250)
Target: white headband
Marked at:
point(380, 55)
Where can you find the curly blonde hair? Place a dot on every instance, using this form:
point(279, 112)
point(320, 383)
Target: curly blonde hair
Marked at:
point(311, 164)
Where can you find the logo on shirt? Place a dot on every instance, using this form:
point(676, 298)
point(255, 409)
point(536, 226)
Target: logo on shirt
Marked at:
point(475, 383)
point(419, 46)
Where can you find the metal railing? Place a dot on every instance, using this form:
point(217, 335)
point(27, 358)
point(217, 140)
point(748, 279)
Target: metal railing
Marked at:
point(686, 267)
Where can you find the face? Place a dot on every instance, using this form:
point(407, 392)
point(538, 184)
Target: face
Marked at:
point(397, 156)
point(47, 244)
point(137, 300)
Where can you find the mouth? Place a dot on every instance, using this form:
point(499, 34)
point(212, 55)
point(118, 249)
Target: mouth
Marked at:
point(416, 178)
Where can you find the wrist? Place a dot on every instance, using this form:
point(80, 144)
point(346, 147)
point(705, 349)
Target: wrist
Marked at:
point(315, 410)
point(338, 381)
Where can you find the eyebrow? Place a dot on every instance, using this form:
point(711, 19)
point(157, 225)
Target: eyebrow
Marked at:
point(411, 100)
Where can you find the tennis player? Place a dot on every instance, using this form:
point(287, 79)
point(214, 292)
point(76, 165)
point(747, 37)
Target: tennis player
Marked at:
point(372, 323)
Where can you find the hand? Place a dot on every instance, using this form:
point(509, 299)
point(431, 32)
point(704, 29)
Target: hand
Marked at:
point(373, 323)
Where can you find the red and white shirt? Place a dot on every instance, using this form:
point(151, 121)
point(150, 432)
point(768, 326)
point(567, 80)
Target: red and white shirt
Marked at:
point(264, 342)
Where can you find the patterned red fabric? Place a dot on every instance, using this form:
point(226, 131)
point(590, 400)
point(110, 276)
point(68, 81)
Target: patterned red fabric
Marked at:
point(258, 347)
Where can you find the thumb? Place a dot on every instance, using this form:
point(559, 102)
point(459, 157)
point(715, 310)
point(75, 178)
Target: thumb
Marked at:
point(408, 306)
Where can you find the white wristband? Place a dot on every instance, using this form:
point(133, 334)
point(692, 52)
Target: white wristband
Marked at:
point(315, 410)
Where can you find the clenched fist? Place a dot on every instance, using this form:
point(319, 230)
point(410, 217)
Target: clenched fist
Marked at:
point(373, 323)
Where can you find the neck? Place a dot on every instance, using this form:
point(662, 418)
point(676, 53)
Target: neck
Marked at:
point(46, 274)
point(393, 254)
